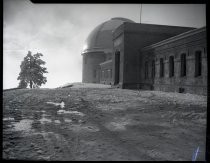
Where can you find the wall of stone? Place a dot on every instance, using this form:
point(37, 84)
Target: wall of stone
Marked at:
point(188, 44)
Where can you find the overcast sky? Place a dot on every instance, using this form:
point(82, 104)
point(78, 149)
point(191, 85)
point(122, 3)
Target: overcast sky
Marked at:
point(58, 31)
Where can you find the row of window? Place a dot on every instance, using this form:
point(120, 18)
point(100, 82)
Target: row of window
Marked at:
point(198, 66)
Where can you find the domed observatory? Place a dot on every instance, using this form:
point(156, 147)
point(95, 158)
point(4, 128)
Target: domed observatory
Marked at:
point(97, 52)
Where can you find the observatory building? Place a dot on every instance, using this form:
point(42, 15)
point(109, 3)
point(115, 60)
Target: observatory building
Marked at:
point(130, 55)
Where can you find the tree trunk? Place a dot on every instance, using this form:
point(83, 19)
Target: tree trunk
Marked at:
point(30, 84)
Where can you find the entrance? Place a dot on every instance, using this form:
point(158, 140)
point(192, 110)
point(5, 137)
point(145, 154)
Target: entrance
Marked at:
point(117, 67)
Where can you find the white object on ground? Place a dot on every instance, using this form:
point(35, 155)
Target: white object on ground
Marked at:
point(57, 121)
point(23, 125)
point(8, 119)
point(68, 120)
point(116, 126)
point(62, 104)
point(45, 120)
point(70, 112)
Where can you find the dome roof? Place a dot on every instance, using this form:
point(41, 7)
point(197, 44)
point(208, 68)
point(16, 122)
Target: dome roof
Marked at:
point(101, 36)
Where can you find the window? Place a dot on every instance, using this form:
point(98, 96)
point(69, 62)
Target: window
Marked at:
point(146, 70)
point(171, 66)
point(161, 67)
point(183, 64)
point(198, 63)
point(104, 74)
point(153, 68)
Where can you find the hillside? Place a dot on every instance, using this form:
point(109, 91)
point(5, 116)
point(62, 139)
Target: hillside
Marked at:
point(83, 123)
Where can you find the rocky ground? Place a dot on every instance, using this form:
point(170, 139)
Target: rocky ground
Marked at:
point(103, 124)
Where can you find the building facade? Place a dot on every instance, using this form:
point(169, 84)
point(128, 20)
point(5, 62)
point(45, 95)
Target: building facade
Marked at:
point(146, 56)
point(178, 64)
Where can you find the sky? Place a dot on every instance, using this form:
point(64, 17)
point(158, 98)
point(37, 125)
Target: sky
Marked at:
point(59, 31)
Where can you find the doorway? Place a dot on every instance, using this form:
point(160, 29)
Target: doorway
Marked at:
point(117, 67)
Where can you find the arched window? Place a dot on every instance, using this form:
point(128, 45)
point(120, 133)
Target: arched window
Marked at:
point(198, 63)
point(171, 66)
point(161, 67)
point(117, 67)
point(146, 70)
point(153, 68)
point(183, 64)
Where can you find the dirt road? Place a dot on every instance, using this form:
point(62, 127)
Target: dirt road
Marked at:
point(103, 124)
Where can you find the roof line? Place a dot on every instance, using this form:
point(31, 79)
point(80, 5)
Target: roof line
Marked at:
point(108, 61)
point(174, 38)
point(123, 19)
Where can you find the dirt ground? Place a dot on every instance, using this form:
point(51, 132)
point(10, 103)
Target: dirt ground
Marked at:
point(103, 124)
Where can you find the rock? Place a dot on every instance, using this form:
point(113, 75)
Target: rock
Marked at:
point(83, 152)
point(83, 122)
point(39, 151)
point(6, 151)
point(36, 148)
point(46, 157)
